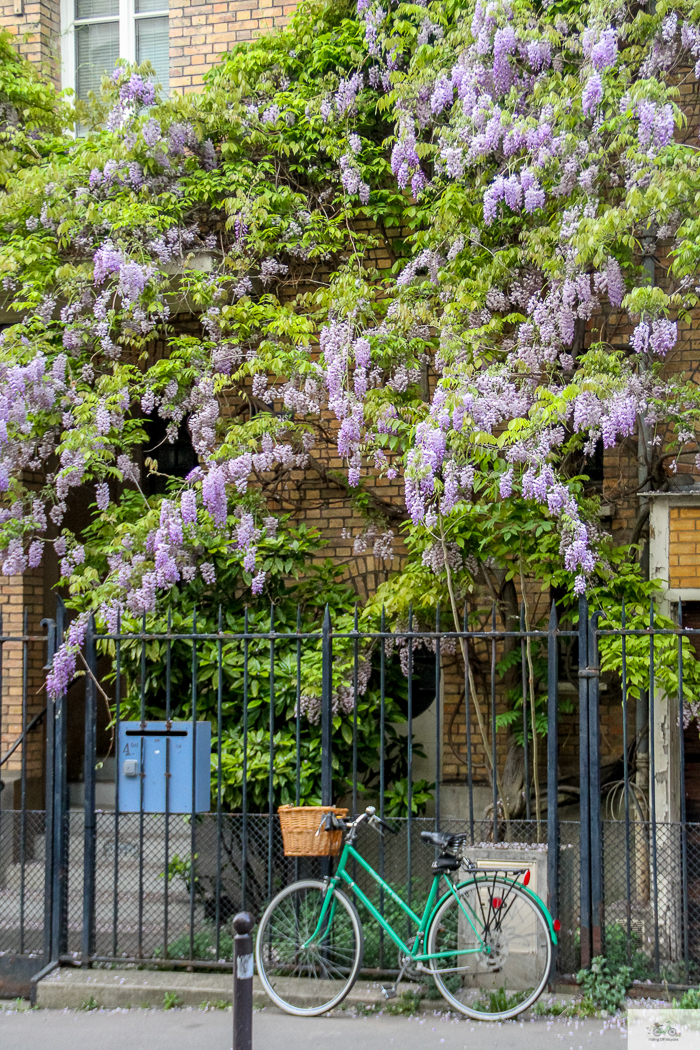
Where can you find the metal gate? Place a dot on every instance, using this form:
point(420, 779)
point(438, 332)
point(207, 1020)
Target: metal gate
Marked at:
point(88, 884)
point(26, 801)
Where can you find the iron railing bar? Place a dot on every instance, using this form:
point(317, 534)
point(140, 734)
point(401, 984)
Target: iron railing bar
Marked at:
point(53, 733)
point(185, 636)
point(652, 779)
point(468, 723)
point(626, 782)
point(48, 797)
point(244, 771)
point(681, 772)
point(23, 790)
point(297, 794)
point(281, 636)
point(646, 631)
point(297, 791)
point(193, 811)
point(61, 818)
point(142, 756)
point(117, 721)
point(584, 819)
point(552, 774)
point(90, 816)
point(166, 837)
point(32, 725)
point(219, 732)
point(594, 775)
point(409, 764)
point(355, 672)
point(327, 716)
point(438, 741)
point(523, 671)
point(382, 774)
point(271, 775)
point(494, 735)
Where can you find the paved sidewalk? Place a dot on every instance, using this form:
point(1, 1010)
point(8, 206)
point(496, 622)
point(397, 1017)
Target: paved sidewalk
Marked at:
point(193, 1029)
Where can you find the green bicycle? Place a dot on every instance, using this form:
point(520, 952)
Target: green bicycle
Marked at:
point(487, 941)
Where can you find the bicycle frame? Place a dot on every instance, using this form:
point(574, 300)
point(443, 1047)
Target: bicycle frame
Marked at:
point(421, 922)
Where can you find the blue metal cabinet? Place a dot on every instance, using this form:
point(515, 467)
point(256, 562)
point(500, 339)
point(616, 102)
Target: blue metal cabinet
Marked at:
point(146, 752)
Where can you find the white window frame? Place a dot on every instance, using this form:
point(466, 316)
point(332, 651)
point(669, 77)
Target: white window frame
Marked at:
point(126, 18)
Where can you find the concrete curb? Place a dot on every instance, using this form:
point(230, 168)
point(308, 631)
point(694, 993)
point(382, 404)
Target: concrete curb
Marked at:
point(74, 988)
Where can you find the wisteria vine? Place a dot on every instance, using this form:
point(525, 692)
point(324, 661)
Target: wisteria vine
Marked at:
point(532, 155)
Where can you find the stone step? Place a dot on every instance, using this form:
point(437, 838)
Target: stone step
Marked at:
point(72, 988)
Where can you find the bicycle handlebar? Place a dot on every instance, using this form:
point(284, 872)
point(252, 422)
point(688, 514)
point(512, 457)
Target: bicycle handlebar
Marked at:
point(329, 821)
point(374, 819)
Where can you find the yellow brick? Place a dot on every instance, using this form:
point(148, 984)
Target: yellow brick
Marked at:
point(683, 537)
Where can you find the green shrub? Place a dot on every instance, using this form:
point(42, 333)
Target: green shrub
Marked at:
point(552, 1008)
point(616, 952)
point(690, 1000)
point(604, 988)
point(406, 1003)
point(498, 1001)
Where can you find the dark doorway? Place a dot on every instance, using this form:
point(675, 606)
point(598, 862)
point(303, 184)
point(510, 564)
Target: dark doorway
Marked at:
point(175, 459)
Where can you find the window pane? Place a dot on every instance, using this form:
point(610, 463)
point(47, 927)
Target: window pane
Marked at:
point(153, 45)
point(96, 8)
point(96, 51)
point(144, 6)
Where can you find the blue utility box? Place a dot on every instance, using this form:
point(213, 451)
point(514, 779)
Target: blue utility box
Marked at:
point(147, 751)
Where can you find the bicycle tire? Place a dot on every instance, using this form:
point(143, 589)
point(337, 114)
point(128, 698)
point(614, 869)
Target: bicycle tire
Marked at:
point(489, 974)
point(291, 917)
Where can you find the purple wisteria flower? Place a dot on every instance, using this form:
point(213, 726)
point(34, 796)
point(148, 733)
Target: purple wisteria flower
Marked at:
point(601, 48)
point(592, 94)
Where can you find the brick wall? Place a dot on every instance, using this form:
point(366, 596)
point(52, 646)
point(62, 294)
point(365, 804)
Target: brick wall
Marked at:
point(684, 547)
point(200, 32)
point(22, 679)
point(36, 24)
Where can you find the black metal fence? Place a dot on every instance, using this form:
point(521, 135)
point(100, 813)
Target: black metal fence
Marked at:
point(83, 881)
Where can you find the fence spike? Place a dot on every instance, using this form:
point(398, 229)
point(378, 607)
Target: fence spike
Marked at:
point(553, 618)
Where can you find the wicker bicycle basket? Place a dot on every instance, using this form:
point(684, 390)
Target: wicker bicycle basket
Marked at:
point(299, 827)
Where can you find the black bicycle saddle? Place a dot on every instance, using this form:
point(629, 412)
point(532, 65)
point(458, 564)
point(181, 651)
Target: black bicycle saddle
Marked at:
point(442, 839)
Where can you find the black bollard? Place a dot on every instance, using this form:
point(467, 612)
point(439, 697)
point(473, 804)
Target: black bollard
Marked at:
point(243, 982)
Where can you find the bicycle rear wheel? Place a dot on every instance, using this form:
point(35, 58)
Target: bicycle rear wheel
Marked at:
point(507, 949)
point(307, 969)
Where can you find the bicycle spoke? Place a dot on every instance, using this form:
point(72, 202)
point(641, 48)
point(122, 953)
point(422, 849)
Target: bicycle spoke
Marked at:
point(505, 974)
point(300, 957)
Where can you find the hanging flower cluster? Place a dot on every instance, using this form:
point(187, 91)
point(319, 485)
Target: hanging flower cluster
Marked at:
point(540, 152)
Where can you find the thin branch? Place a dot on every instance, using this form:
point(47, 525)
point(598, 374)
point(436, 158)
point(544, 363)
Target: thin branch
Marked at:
point(472, 684)
point(107, 701)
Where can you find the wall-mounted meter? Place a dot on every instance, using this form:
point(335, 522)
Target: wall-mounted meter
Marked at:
point(155, 759)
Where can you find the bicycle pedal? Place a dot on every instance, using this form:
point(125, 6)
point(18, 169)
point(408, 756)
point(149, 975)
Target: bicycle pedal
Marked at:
point(389, 993)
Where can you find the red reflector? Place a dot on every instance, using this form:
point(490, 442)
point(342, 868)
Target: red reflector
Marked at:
point(497, 902)
point(557, 925)
point(526, 879)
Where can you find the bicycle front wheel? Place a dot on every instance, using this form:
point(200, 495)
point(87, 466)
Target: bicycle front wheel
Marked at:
point(503, 946)
point(308, 966)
